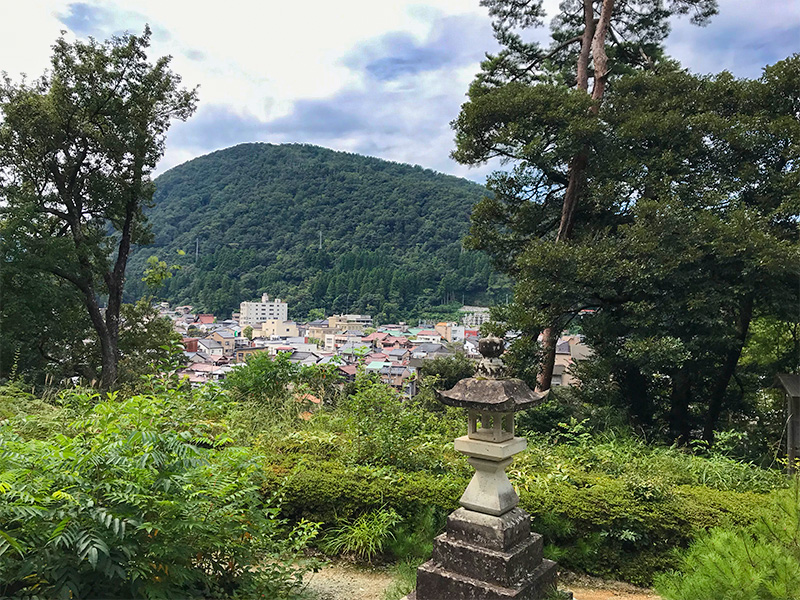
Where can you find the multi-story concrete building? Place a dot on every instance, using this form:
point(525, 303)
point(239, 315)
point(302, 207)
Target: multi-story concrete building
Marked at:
point(253, 313)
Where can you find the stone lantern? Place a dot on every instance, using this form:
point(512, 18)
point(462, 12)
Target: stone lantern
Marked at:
point(488, 551)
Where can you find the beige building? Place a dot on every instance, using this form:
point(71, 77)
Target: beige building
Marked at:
point(226, 339)
point(349, 322)
point(278, 328)
point(569, 350)
point(255, 313)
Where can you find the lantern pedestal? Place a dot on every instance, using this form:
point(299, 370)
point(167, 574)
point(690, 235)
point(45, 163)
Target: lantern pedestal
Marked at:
point(486, 557)
point(488, 551)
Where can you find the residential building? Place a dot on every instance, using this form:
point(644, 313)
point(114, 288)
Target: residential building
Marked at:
point(396, 375)
point(226, 339)
point(278, 328)
point(211, 347)
point(240, 355)
point(254, 313)
point(569, 350)
point(429, 336)
point(350, 322)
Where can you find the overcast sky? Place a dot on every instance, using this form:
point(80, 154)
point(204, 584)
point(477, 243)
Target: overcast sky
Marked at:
point(376, 77)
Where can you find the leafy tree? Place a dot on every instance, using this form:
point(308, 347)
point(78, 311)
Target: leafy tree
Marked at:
point(535, 106)
point(42, 319)
point(699, 236)
point(146, 342)
point(158, 271)
point(76, 150)
point(248, 332)
point(446, 371)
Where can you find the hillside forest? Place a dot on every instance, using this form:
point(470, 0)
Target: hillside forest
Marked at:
point(320, 229)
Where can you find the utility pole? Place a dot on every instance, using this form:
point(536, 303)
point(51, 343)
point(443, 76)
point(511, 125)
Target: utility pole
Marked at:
point(320, 239)
point(196, 250)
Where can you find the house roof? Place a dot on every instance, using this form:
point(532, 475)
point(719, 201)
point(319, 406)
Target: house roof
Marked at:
point(428, 332)
point(397, 352)
point(206, 319)
point(377, 365)
point(431, 347)
point(351, 347)
point(395, 370)
point(209, 343)
point(375, 335)
point(348, 369)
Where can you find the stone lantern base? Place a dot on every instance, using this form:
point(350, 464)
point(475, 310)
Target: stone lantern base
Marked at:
point(486, 557)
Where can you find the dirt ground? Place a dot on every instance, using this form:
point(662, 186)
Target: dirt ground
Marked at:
point(346, 582)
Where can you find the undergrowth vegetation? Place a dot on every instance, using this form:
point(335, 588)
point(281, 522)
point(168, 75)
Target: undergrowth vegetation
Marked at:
point(144, 497)
point(220, 491)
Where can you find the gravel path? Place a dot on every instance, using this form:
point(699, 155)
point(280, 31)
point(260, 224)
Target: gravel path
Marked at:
point(346, 582)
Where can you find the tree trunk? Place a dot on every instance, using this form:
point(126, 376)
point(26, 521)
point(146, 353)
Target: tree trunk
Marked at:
point(634, 387)
point(717, 396)
point(680, 428)
point(593, 42)
point(549, 341)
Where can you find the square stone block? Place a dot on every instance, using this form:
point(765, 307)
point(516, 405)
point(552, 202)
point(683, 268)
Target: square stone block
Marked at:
point(436, 583)
point(488, 531)
point(490, 450)
point(492, 566)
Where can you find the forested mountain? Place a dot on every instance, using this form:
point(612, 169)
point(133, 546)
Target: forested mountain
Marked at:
point(251, 219)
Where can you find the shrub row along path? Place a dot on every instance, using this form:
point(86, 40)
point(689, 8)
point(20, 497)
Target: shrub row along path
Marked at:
point(346, 582)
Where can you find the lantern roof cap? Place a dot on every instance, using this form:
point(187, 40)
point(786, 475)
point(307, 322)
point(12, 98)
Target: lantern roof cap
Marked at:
point(489, 390)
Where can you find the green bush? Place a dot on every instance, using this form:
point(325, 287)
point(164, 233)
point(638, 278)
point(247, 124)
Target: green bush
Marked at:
point(375, 427)
point(122, 504)
point(331, 493)
point(761, 562)
point(269, 380)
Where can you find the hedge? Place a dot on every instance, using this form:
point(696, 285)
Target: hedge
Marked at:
point(596, 524)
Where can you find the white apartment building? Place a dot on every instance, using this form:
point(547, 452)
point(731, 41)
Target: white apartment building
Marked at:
point(254, 313)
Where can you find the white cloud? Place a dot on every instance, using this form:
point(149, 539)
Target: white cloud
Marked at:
point(264, 66)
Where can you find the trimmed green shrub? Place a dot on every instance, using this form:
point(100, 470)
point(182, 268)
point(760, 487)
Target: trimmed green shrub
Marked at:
point(605, 526)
